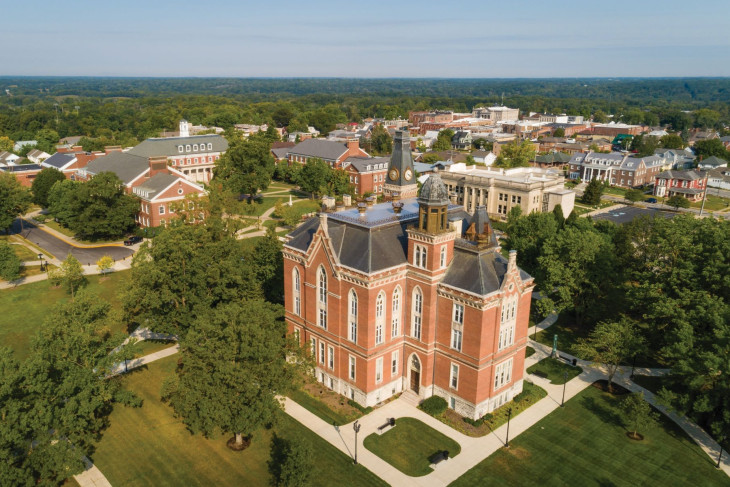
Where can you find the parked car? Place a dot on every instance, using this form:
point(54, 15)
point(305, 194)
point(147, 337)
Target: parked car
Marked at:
point(651, 200)
point(132, 240)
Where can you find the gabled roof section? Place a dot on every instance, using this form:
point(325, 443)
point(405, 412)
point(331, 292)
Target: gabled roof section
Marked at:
point(479, 273)
point(170, 146)
point(126, 166)
point(155, 185)
point(59, 160)
point(682, 175)
point(302, 236)
point(324, 149)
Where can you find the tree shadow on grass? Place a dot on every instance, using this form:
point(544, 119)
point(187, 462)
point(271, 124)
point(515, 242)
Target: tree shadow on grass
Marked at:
point(606, 413)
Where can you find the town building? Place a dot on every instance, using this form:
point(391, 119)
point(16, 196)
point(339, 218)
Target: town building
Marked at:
point(70, 159)
point(193, 155)
point(24, 173)
point(158, 186)
point(409, 296)
point(553, 160)
point(498, 190)
point(613, 129)
point(461, 140)
point(332, 152)
point(712, 162)
point(719, 178)
point(367, 174)
point(36, 156)
point(618, 169)
point(496, 113)
point(690, 184)
point(8, 158)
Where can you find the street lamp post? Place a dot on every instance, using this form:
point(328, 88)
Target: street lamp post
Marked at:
point(565, 382)
point(719, 457)
point(633, 366)
point(509, 415)
point(356, 426)
point(40, 258)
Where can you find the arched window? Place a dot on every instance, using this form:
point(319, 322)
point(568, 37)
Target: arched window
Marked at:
point(416, 314)
point(395, 313)
point(353, 316)
point(419, 256)
point(507, 323)
point(322, 297)
point(379, 317)
point(296, 288)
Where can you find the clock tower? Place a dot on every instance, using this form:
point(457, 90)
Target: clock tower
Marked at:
point(401, 177)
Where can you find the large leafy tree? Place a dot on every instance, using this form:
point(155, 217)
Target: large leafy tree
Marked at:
point(593, 192)
point(234, 365)
point(105, 210)
point(185, 271)
point(14, 199)
point(247, 166)
point(268, 263)
point(711, 147)
point(380, 141)
point(527, 235)
point(314, 176)
point(443, 140)
point(43, 183)
point(63, 201)
point(516, 154)
point(678, 201)
point(672, 141)
point(6, 144)
point(55, 406)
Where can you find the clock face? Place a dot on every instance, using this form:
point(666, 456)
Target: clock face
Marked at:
point(408, 175)
point(393, 174)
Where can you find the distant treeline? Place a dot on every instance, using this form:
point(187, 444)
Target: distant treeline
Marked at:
point(128, 109)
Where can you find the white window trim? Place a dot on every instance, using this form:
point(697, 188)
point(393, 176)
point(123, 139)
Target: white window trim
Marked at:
point(352, 367)
point(417, 314)
point(454, 377)
point(502, 374)
point(394, 359)
point(379, 370)
point(395, 312)
point(380, 318)
point(331, 357)
point(352, 316)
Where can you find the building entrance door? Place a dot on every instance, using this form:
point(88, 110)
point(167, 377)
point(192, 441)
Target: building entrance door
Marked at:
point(415, 374)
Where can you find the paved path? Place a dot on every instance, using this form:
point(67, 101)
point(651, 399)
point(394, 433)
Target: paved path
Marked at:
point(91, 476)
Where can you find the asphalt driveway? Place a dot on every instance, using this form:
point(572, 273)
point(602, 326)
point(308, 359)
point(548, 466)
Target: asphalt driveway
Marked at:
point(60, 249)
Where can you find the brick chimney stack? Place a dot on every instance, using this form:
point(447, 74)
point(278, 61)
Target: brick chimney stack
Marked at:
point(158, 164)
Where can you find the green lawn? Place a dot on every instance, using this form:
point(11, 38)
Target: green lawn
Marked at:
point(26, 307)
point(24, 253)
point(529, 351)
point(147, 347)
point(409, 445)
point(554, 370)
point(712, 203)
point(585, 444)
point(318, 408)
point(149, 446)
point(568, 333)
point(581, 210)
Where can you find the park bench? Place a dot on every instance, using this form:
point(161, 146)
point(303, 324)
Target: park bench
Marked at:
point(439, 457)
point(385, 427)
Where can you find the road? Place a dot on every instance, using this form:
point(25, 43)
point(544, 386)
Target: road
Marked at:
point(60, 249)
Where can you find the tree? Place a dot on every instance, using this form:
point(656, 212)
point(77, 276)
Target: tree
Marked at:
point(14, 199)
point(71, 274)
point(6, 145)
point(707, 118)
point(678, 201)
point(339, 183)
point(10, 264)
point(611, 343)
point(104, 264)
point(516, 154)
point(599, 116)
point(443, 140)
point(233, 367)
point(711, 147)
point(527, 235)
point(183, 272)
point(43, 183)
point(430, 158)
point(102, 208)
point(638, 413)
point(60, 398)
point(268, 262)
point(644, 145)
point(671, 141)
point(381, 141)
point(314, 176)
point(559, 132)
point(247, 166)
point(47, 140)
point(482, 144)
point(633, 195)
point(63, 201)
point(593, 192)
point(291, 463)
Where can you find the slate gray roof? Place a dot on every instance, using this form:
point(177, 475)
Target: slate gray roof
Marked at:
point(150, 188)
point(59, 160)
point(328, 150)
point(362, 163)
point(125, 165)
point(280, 152)
point(682, 175)
point(553, 157)
point(169, 146)
point(713, 161)
point(480, 273)
point(21, 168)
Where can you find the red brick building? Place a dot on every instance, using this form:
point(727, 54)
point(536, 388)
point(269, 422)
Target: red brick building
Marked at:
point(690, 184)
point(24, 173)
point(367, 173)
point(330, 151)
point(413, 296)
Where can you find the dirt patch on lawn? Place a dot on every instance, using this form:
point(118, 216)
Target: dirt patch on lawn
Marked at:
point(519, 452)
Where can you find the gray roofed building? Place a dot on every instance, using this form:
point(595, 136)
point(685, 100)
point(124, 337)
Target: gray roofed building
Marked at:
point(59, 160)
point(366, 164)
point(712, 162)
point(154, 185)
point(330, 151)
point(280, 153)
point(176, 146)
point(126, 166)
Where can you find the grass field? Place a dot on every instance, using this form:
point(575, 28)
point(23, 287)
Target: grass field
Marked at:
point(712, 203)
point(149, 446)
point(24, 253)
point(568, 333)
point(409, 445)
point(585, 444)
point(318, 408)
point(26, 307)
point(554, 370)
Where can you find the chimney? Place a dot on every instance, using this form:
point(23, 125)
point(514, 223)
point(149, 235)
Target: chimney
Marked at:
point(158, 164)
point(353, 147)
point(347, 199)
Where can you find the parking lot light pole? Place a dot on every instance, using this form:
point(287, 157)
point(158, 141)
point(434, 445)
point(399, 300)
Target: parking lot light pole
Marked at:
point(356, 426)
point(565, 382)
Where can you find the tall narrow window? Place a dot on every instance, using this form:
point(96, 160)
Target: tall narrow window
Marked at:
point(419, 256)
point(443, 257)
point(379, 370)
point(394, 363)
point(322, 298)
point(352, 319)
point(456, 338)
point(321, 352)
point(417, 314)
point(454, 382)
point(395, 313)
point(352, 368)
point(379, 317)
point(507, 325)
point(502, 374)
point(330, 357)
point(297, 287)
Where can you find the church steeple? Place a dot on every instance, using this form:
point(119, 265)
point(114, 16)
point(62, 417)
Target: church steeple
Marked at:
point(401, 177)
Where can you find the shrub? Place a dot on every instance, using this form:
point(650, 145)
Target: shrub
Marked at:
point(364, 410)
point(434, 405)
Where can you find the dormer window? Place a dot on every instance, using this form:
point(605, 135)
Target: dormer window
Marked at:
point(179, 148)
point(210, 146)
point(187, 148)
point(195, 147)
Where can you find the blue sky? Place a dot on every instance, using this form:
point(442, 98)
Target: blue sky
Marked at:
point(366, 39)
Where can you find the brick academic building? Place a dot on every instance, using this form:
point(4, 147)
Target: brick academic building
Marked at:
point(409, 296)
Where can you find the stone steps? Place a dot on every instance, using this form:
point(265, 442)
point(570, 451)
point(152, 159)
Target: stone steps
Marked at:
point(411, 398)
